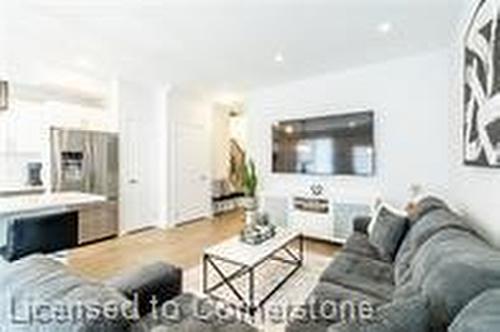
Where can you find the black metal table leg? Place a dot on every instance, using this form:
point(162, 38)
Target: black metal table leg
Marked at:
point(250, 303)
point(205, 274)
point(251, 294)
point(301, 250)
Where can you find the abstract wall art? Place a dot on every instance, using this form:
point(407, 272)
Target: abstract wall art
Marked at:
point(482, 86)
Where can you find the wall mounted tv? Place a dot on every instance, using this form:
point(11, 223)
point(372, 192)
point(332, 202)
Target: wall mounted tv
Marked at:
point(330, 145)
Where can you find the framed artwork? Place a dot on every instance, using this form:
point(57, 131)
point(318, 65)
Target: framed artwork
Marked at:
point(482, 86)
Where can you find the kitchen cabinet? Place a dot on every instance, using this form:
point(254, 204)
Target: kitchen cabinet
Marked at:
point(97, 221)
point(23, 129)
point(97, 217)
point(312, 224)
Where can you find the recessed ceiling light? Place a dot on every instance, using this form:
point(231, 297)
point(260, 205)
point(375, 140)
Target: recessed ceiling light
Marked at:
point(385, 27)
point(279, 58)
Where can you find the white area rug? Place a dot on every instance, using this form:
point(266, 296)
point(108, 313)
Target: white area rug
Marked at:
point(293, 292)
point(3, 263)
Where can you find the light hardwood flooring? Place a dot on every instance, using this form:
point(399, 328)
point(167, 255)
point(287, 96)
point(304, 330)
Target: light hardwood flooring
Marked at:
point(182, 246)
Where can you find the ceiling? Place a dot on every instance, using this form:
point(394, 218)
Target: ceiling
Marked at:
point(224, 45)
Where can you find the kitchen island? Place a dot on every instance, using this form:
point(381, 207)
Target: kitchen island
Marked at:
point(33, 205)
point(35, 202)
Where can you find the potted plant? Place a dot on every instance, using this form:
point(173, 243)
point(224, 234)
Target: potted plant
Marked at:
point(250, 182)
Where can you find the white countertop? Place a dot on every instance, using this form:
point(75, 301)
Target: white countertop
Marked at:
point(35, 202)
point(10, 190)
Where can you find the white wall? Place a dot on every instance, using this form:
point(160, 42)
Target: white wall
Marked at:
point(221, 135)
point(410, 100)
point(475, 191)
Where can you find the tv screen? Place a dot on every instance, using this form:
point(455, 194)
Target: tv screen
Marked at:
point(330, 145)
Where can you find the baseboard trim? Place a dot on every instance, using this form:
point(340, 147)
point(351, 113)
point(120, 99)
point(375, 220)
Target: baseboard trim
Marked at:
point(140, 230)
point(96, 241)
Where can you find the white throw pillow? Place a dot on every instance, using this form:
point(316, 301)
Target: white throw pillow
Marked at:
point(389, 207)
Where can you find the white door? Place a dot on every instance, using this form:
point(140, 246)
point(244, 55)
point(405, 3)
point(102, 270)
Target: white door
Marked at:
point(192, 199)
point(143, 152)
point(139, 180)
point(131, 185)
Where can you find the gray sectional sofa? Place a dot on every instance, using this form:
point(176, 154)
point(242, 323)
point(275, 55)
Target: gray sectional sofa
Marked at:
point(436, 273)
point(442, 273)
point(40, 294)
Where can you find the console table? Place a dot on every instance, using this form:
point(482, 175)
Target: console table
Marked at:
point(325, 219)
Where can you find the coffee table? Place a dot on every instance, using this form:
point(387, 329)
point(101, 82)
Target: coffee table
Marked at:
point(246, 258)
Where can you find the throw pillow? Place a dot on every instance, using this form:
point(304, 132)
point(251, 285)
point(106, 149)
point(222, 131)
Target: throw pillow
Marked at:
point(424, 205)
point(376, 210)
point(389, 229)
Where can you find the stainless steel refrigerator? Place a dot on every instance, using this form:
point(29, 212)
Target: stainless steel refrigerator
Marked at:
point(88, 162)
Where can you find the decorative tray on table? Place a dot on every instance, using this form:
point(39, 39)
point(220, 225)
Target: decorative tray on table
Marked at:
point(258, 233)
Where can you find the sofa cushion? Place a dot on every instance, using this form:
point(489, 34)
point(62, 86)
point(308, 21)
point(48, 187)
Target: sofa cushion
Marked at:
point(360, 273)
point(388, 231)
point(39, 281)
point(409, 315)
point(359, 243)
point(481, 314)
point(188, 312)
point(451, 268)
point(334, 301)
point(433, 222)
point(159, 280)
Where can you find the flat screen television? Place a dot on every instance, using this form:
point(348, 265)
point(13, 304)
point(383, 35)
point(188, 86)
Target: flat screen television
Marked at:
point(330, 145)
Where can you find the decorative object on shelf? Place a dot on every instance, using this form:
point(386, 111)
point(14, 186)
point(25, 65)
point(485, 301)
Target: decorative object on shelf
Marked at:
point(35, 174)
point(250, 182)
point(315, 205)
point(258, 232)
point(4, 95)
point(224, 196)
point(481, 87)
point(236, 162)
point(317, 189)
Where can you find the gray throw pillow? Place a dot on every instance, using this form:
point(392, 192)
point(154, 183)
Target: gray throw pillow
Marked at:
point(426, 205)
point(405, 314)
point(388, 232)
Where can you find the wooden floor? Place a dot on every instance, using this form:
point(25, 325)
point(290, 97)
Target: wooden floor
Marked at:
point(182, 246)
